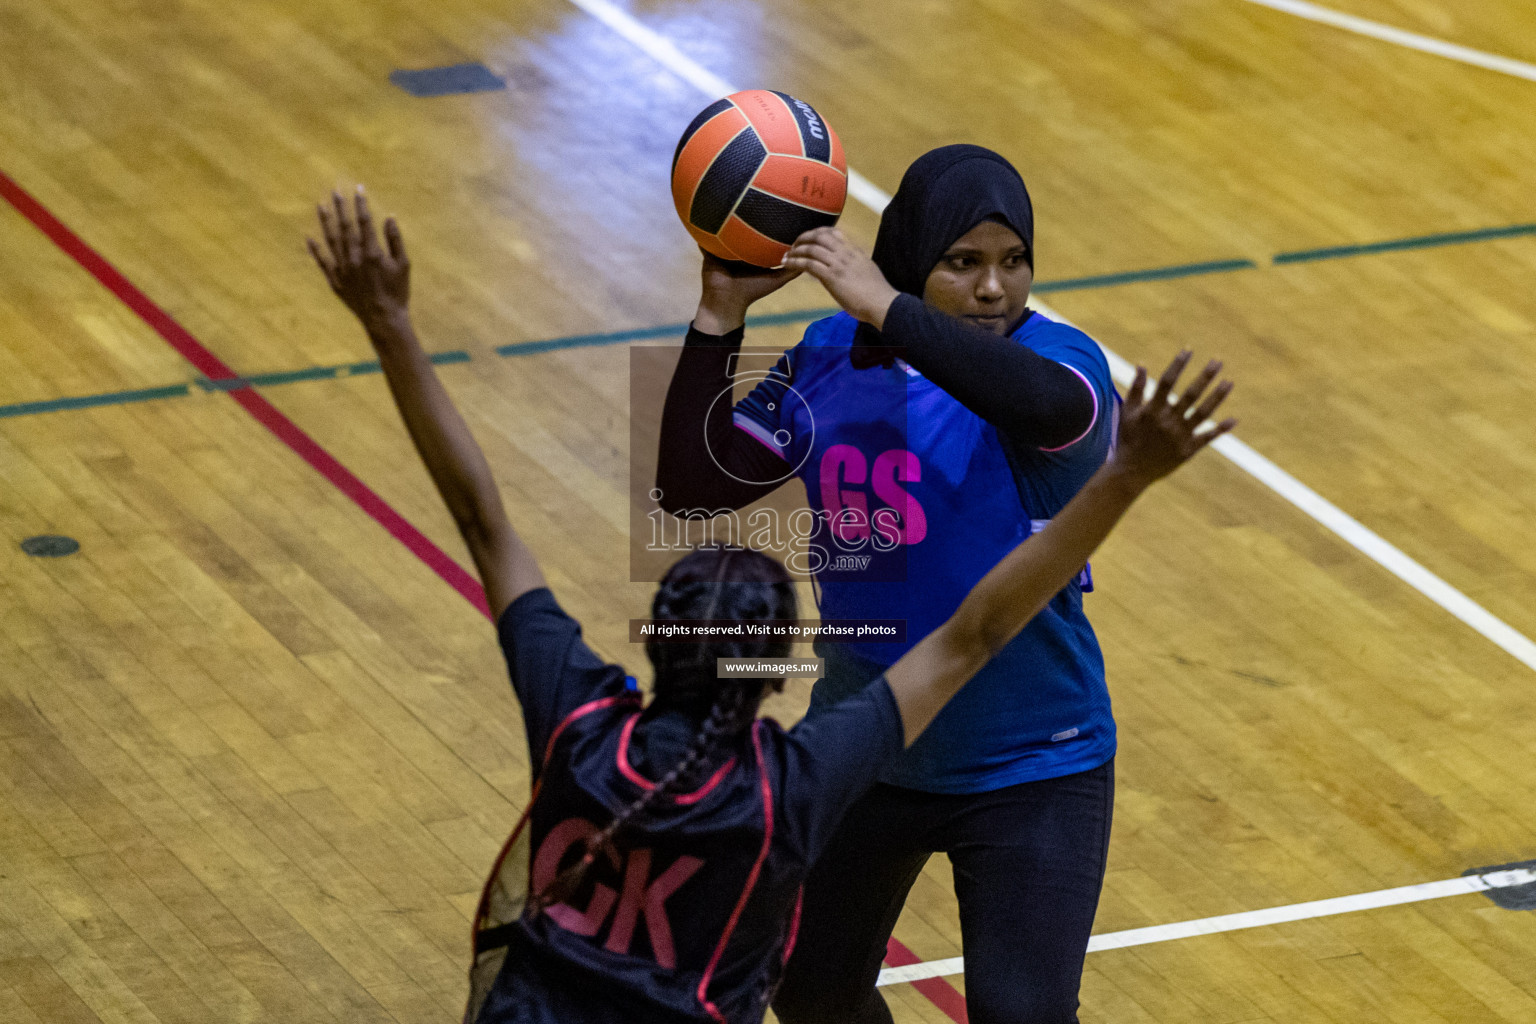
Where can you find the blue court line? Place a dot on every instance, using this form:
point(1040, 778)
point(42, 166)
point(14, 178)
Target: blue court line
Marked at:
point(799, 316)
point(1420, 242)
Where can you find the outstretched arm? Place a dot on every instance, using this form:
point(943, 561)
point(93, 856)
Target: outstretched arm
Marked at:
point(375, 285)
point(1156, 437)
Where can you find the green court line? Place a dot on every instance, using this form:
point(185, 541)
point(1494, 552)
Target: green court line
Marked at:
point(799, 316)
point(87, 401)
point(319, 373)
point(283, 377)
point(222, 385)
point(291, 376)
point(1153, 274)
point(524, 348)
point(1420, 242)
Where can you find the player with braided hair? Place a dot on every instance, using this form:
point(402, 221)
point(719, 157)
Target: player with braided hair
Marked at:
point(619, 898)
point(695, 589)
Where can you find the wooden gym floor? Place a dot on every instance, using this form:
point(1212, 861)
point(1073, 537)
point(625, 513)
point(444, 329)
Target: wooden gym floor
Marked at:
point(256, 754)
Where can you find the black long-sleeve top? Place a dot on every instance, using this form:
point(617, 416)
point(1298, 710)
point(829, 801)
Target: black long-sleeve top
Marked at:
point(1031, 400)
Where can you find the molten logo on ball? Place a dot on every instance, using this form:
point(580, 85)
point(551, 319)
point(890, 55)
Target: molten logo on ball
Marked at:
point(753, 172)
point(810, 115)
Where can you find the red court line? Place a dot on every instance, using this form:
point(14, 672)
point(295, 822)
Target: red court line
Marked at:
point(938, 991)
point(267, 414)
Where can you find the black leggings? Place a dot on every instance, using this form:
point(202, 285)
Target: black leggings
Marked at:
point(1029, 864)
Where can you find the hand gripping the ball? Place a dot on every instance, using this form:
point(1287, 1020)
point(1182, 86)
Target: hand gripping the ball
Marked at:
point(729, 289)
point(849, 276)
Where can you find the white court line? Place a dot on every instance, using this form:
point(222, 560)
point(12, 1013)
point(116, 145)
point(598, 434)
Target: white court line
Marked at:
point(1351, 530)
point(661, 50)
point(1359, 536)
point(1366, 541)
point(1252, 919)
point(1411, 40)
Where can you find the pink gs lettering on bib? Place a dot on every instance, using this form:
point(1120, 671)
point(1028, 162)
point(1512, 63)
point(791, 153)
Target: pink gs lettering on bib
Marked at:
point(844, 474)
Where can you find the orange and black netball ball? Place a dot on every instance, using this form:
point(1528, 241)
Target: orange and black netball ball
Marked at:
point(756, 170)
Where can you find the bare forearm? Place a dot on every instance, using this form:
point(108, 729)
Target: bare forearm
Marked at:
point(1156, 436)
point(443, 440)
point(1031, 574)
point(374, 282)
point(717, 315)
point(457, 465)
point(1007, 598)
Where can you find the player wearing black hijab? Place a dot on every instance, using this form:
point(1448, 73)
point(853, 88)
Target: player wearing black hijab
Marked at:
point(655, 876)
point(984, 418)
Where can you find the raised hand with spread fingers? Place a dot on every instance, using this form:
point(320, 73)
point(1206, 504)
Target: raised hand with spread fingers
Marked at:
point(1161, 433)
point(375, 283)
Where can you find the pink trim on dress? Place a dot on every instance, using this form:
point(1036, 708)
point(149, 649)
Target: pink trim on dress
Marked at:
point(483, 907)
point(757, 866)
point(629, 772)
point(1091, 422)
point(794, 926)
point(585, 709)
point(756, 432)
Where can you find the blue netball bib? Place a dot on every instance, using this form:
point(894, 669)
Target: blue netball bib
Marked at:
point(918, 498)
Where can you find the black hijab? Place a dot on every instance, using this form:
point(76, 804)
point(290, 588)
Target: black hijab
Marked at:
point(945, 193)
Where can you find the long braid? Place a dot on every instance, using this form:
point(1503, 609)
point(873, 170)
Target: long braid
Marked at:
point(730, 715)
